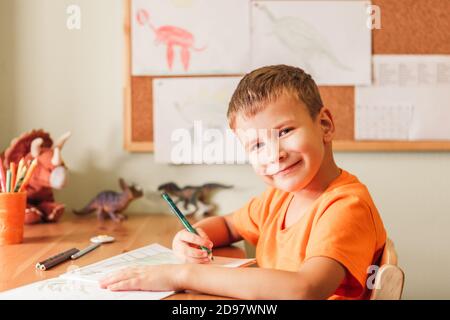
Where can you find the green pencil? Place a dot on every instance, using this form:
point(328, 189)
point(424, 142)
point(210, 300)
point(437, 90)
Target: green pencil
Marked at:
point(183, 220)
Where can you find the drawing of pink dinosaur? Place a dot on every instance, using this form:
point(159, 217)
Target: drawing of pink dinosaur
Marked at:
point(171, 36)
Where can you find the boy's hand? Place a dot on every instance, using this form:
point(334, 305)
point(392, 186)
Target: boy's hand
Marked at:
point(148, 278)
point(186, 246)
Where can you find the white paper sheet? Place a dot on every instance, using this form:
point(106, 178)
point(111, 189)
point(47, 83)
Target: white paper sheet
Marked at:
point(431, 120)
point(190, 123)
point(65, 289)
point(328, 39)
point(411, 70)
point(153, 254)
point(150, 255)
point(383, 121)
point(190, 37)
point(405, 113)
point(82, 283)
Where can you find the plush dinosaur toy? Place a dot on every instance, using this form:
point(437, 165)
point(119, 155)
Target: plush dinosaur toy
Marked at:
point(194, 198)
point(110, 203)
point(50, 173)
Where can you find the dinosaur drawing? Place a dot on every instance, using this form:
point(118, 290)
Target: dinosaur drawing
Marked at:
point(302, 39)
point(172, 37)
point(193, 198)
point(110, 203)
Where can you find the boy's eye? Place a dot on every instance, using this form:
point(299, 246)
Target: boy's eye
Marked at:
point(284, 131)
point(256, 146)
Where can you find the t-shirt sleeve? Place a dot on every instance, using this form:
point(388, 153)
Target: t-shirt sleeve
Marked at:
point(346, 232)
point(249, 218)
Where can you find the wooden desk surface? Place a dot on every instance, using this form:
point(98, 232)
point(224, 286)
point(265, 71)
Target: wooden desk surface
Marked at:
point(17, 262)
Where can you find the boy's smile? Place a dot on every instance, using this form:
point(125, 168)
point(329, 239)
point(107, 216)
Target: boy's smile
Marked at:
point(287, 169)
point(284, 144)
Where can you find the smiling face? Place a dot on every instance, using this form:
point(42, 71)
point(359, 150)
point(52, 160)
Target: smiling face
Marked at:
point(284, 144)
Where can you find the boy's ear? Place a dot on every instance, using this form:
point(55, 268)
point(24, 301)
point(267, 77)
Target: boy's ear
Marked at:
point(326, 124)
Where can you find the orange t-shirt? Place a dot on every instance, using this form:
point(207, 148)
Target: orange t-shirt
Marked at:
point(342, 224)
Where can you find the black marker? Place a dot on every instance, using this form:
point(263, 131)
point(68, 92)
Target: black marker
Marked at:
point(55, 260)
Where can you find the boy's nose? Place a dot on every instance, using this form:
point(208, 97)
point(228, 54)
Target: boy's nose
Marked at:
point(282, 154)
point(277, 154)
point(275, 158)
point(273, 164)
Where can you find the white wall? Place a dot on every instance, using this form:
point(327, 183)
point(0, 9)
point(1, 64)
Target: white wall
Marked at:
point(61, 80)
point(6, 72)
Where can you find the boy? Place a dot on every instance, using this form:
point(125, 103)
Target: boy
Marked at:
point(316, 228)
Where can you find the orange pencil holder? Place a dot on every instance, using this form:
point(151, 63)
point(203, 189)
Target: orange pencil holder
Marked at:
point(12, 216)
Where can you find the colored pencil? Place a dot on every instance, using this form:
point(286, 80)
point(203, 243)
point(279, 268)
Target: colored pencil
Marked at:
point(20, 165)
point(184, 221)
point(28, 175)
point(2, 177)
point(8, 180)
point(12, 167)
point(20, 177)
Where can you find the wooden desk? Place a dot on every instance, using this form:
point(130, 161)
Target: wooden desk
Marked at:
point(17, 262)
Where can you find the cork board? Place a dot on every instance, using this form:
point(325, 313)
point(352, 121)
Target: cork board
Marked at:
point(407, 27)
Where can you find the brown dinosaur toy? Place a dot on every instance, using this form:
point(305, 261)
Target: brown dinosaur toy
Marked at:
point(50, 173)
point(111, 203)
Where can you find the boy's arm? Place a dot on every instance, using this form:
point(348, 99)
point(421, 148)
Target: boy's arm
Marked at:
point(318, 278)
point(220, 230)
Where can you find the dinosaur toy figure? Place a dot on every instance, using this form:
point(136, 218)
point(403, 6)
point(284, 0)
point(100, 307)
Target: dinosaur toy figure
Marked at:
point(110, 203)
point(50, 173)
point(194, 198)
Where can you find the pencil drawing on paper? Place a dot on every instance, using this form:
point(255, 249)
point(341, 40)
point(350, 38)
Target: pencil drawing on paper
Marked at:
point(210, 116)
point(201, 114)
point(193, 119)
point(302, 39)
point(127, 261)
point(146, 256)
point(205, 102)
point(61, 286)
point(171, 37)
